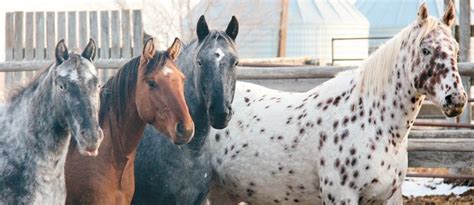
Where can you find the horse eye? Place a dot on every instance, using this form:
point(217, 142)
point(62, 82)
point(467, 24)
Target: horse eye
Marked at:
point(236, 63)
point(199, 63)
point(61, 87)
point(152, 84)
point(425, 51)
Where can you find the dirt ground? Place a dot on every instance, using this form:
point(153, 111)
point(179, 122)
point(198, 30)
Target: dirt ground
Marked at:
point(467, 198)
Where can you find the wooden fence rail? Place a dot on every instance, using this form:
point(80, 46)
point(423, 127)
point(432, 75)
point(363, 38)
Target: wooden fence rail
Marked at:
point(243, 73)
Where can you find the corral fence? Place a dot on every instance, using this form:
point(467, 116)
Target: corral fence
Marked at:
point(335, 58)
point(31, 38)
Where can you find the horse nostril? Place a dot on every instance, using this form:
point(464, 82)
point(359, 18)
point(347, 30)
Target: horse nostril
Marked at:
point(449, 99)
point(179, 129)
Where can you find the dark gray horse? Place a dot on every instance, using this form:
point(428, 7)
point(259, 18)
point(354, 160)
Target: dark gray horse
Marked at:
point(168, 174)
point(36, 126)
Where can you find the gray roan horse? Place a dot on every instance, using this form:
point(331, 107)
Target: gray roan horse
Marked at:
point(36, 126)
point(166, 173)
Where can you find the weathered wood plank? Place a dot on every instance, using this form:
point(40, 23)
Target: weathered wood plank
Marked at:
point(9, 35)
point(309, 72)
point(440, 159)
point(17, 77)
point(443, 144)
point(61, 26)
point(115, 35)
point(466, 114)
point(18, 54)
point(304, 72)
point(9, 45)
point(94, 27)
point(283, 29)
point(29, 30)
point(126, 37)
point(441, 134)
point(13, 66)
point(51, 37)
point(464, 31)
point(137, 32)
point(83, 36)
point(104, 42)
point(72, 29)
point(40, 36)
point(104, 35)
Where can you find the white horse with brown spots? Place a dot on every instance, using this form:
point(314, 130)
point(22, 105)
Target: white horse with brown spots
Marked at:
point(345, 141)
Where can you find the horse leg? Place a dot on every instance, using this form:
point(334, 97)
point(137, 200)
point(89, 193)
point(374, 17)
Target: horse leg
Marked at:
point(396, 198)
point(218, 195)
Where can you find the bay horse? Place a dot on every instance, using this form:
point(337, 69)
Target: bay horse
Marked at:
point(37, 123)
point(148, 89)
point(167, 174)
point(345, 141)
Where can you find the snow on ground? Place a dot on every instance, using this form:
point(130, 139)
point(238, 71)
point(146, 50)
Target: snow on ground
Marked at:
point(430, 186)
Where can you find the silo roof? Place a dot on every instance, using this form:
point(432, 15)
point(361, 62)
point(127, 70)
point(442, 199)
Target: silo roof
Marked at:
point(397, 13)
point(314, 12)
point(324, 12)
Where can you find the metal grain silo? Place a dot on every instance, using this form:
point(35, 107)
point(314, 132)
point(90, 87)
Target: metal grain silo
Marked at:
point(312, 26)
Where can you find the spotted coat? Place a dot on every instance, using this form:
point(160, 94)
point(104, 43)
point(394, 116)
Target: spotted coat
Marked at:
point(341, 142)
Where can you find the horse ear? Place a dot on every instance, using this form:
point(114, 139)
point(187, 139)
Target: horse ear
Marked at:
point(61, 52)
point(174, 49)
point(422, 12)
point(148, 49)
point(89, 51)
point(202, 28)
point(448, 17)
point(233, 28)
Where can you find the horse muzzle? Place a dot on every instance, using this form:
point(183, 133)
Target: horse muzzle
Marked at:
point(219, 119)
point(184, 133)
point(453, 110)
point(89, 142)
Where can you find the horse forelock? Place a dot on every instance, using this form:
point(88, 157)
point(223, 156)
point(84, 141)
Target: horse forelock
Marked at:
point(157, 62)
point(213, 36)
point(375, 71)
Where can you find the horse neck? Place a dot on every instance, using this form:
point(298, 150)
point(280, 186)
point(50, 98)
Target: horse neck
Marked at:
point(47, 131)
point(393, 110)
point(126, 131)
point(197, 104)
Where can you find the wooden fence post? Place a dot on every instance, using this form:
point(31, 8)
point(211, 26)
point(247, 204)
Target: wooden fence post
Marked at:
point(137, 32)
point(126, 35)
point(51, 37)
point(283, 28)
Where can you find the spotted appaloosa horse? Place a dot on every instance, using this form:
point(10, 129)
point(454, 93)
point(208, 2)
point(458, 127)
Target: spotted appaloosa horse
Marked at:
point(36, 125)
point(345, 141)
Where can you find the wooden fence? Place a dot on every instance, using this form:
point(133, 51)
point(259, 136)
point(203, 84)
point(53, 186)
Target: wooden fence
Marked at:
point(33, 36)
point(433, 148)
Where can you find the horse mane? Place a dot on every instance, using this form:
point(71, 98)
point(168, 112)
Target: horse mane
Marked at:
point(375, 72)
point(120, 88)
point(32, 85)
